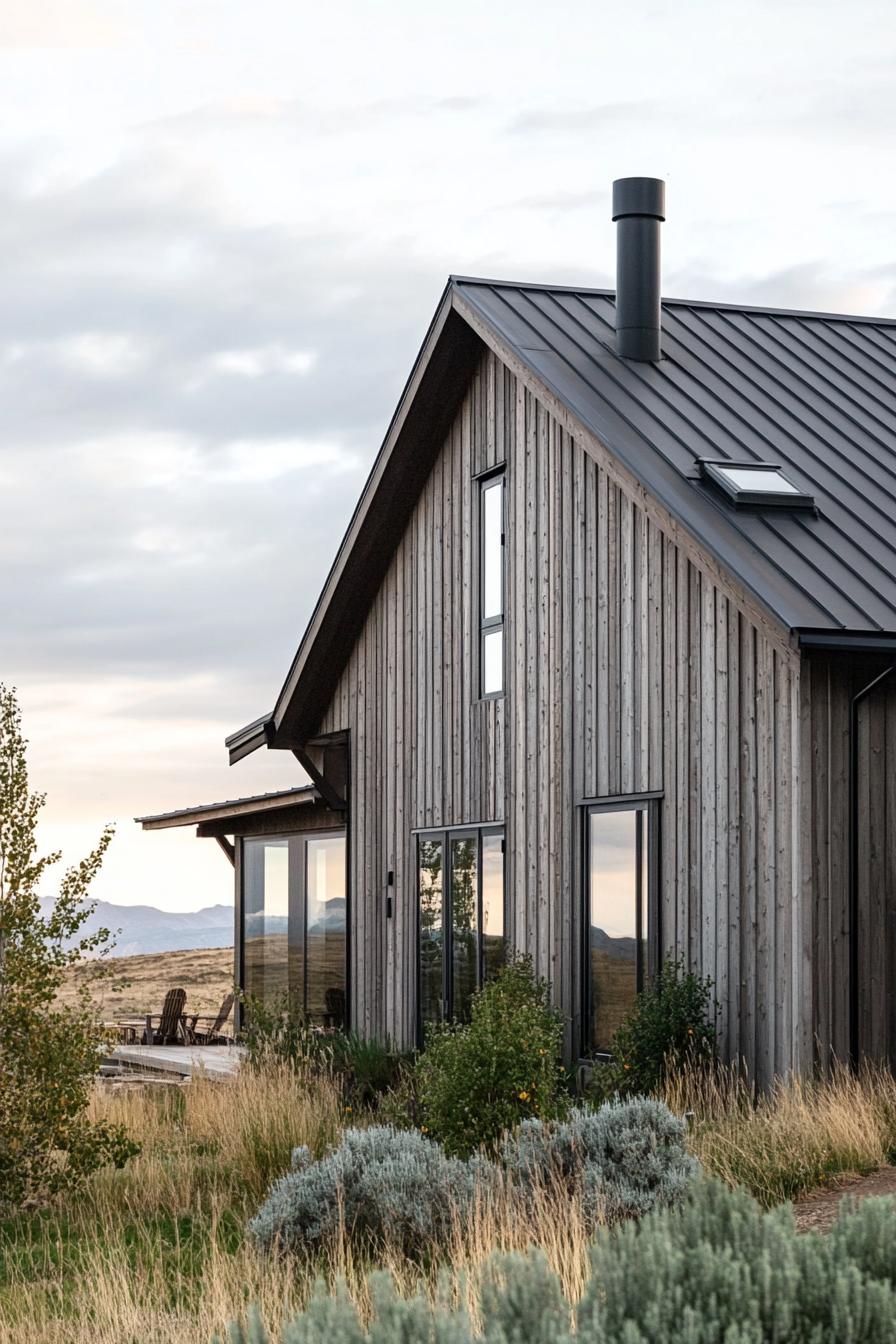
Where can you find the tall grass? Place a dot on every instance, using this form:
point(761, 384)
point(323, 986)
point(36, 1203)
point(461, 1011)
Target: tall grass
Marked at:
point(795, 1137)
point(156, 1251)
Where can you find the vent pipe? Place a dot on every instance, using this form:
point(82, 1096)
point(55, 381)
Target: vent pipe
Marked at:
point(639, 208)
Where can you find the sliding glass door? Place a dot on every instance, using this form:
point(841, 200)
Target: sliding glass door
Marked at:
point(295, 923)
point(266, 943)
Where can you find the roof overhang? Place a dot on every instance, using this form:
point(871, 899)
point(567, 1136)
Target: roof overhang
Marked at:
point(428, 404)
point(246, 740)
point(847, 641)
point(236, 809)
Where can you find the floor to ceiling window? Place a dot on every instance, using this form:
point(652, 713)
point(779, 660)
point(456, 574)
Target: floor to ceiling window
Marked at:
point(460, 885)
point(619, 858)
point(295, 923)
point(265, 875)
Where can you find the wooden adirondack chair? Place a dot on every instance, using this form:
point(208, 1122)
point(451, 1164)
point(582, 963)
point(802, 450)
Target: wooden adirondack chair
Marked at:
point(172, 1028)
point(334, 1003)
point(213, 1035)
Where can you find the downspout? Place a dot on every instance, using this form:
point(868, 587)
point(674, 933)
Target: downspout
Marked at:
point(854, 859)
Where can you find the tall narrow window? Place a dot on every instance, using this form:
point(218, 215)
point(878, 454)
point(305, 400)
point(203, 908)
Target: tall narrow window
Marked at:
point(491, 586)
point(492, 904)
point(460, 879)
point(618, 854)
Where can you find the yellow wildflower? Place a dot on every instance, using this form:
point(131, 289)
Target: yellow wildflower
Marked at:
point(524, 1096)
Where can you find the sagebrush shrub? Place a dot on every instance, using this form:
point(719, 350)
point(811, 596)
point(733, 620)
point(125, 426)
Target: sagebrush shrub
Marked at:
point(622, 1160)
point(475, 1081)
point(716, 1268)
point(720, 1268)
point(384, 1186)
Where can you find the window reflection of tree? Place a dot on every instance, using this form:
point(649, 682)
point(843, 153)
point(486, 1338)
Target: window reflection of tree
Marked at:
point(464, 922)
point(430, 880)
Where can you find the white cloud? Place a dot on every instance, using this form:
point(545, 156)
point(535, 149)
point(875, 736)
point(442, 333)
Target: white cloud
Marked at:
point(262, 360)
point(267, 459)
point(92, 354)
point(61, 23)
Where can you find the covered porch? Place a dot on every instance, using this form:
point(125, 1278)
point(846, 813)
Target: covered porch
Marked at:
point(288, 854)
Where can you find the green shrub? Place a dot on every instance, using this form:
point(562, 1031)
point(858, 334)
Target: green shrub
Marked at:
point(367, 1069)
point(384, 1186)
point(715, 1269)
point(272, 1028)
point(622, 1160)
point(671, 1026)
point(364, 1069)
point(475, 1081)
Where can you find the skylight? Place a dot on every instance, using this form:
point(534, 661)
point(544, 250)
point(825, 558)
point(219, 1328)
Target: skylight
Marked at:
point(756, 483)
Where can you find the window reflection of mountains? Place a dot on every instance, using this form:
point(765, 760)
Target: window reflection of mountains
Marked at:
point(333, 917)
point(626, 949)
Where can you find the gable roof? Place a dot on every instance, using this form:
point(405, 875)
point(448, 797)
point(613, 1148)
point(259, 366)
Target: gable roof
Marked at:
point(814, 392)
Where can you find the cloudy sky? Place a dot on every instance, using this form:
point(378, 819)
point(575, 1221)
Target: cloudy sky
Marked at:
point(225, 226)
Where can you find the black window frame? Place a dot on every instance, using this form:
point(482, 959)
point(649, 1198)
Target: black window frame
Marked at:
point(445, 835)
point(488, 625)
point(647, 914)
point(297, 901)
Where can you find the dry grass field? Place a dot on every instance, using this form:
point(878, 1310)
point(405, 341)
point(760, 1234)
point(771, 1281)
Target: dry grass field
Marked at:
point(157, 1251)
point(134, 985)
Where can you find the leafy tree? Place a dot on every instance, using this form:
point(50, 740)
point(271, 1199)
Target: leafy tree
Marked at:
point(49, 1055)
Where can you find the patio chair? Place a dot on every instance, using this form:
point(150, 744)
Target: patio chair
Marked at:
point(173, 1028)
point(213, 1035)
point(126, 1032)
point(334, 1002)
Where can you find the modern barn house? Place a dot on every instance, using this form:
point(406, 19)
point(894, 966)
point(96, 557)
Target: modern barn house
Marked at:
point(603, 671)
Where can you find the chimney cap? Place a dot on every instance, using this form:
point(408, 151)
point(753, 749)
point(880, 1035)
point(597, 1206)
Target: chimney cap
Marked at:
point(644, 196)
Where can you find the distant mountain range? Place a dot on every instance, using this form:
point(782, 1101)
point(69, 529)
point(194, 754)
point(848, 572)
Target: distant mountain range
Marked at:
point(625, 948)
point(258, 924)
point(143, 928)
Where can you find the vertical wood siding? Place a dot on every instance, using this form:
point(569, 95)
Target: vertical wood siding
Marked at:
point(628, 669)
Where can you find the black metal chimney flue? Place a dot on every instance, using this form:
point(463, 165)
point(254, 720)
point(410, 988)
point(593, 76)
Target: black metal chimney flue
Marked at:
point(639, 208)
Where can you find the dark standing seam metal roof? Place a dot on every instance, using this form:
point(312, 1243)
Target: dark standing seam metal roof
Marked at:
point(813, 392)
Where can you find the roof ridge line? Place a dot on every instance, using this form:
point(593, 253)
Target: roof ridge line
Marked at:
point(720, 305)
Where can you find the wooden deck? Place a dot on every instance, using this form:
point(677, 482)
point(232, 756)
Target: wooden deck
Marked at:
point(218, 1061)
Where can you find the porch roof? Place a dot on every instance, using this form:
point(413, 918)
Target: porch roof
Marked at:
point(232, 809)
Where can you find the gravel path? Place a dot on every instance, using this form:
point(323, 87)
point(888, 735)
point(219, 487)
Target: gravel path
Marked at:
point(819, 1209)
